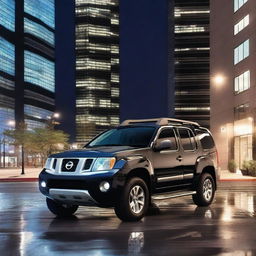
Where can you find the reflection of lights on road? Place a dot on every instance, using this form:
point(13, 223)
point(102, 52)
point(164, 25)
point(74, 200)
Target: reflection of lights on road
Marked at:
point(208, 214)
point(25, 237)
point(135, 242)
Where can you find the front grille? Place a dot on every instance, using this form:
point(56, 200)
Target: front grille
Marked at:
point(67, 184)
point(69, 165)
point(87, 164)
point(54, 163)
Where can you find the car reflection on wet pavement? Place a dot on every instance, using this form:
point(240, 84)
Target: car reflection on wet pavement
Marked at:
point(175, 227)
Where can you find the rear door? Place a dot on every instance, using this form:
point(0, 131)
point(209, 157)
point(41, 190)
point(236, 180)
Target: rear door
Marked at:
point(167, 166)
point(189, 149)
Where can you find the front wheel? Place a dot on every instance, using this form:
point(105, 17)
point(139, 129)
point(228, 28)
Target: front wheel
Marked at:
point(134, 201)
point(205, 190)
point(60, 210)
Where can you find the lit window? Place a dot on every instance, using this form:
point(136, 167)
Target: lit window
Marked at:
point(241, 24)
point(241, 52)
point(242, 82)
point(37, 30)
point(7, 16)
point(39, 71)
point(238, 4)
point(42, 10)
point(189, 29)
point(7, 59)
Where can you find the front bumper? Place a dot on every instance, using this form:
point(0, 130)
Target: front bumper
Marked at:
point(82, 189)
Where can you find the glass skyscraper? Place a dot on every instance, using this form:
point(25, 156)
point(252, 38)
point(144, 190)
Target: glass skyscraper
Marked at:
point(27, 69)
point(192, 85)
point(97, 67)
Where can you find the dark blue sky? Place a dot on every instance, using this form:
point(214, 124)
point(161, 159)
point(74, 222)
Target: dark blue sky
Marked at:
point(146, 68)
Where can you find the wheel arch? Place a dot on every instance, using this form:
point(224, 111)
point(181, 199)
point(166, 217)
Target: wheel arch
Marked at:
point(142, 173)
point(211, 170)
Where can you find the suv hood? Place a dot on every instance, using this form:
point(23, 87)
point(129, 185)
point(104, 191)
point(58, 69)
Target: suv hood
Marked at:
point(105, 151)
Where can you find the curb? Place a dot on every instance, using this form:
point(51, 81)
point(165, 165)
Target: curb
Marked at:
point(19, 180)
point(223, 180)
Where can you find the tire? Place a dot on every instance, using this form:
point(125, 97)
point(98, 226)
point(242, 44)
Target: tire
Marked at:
point(205, 190)
point(133, 202)
point(60, 209)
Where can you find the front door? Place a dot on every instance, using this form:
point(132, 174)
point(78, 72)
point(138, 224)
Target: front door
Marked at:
point(167, 164)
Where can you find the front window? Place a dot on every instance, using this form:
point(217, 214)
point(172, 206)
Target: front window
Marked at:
point(125, 136)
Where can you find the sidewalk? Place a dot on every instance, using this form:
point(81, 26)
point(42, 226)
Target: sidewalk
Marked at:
point(225, 175)
point(31, 174)
point(14, 175)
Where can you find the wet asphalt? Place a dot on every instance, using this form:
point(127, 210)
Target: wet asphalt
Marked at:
point(176, 227)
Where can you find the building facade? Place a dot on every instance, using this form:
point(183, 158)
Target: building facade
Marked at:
point(233, 75)
point(97, 67)
point(192, 61)
point(27, 69)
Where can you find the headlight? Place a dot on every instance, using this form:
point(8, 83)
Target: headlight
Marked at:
point(103, 163)
point(48, 163)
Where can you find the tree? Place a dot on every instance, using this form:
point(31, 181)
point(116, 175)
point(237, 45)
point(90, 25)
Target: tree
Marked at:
point(46, 141)
point(20, 138)
point(38, 143)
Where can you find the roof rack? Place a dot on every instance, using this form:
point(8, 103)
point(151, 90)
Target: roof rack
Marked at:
point(159, 121)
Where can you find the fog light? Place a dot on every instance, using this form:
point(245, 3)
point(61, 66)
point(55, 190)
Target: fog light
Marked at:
point(43, 184)
point(104, 186)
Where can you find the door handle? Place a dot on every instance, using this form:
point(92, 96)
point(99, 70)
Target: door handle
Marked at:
point(179, 158)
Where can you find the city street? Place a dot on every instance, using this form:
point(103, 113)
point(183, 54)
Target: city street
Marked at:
point(177, 227)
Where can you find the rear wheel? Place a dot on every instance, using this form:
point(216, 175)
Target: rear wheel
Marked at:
point(134, 201)
point(205, 190)
point(61, 210)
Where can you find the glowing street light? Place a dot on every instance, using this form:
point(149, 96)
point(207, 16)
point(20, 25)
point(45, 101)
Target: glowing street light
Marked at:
point(11, 123)
point(219, 79)
point(56, 115)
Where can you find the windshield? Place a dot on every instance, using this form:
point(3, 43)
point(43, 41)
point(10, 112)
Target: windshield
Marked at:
point(125, 136)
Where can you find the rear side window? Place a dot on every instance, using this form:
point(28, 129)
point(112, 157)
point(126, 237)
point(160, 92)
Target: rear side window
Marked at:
point(187, 139)
point(168, 134)
point(205, 138)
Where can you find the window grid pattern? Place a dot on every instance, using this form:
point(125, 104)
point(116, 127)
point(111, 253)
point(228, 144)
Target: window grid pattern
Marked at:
point(241, 24)
point(238, 4)
point(7, 14)
point(6, 114)
point(97, 67)
point(37, 112)
point(242, 111)
point(6, 83)
point(39, 71)
point(39, 31)
point(32, 124)
point(242, 82)
point(44, 10)
point(241, 52)
point(7, 56)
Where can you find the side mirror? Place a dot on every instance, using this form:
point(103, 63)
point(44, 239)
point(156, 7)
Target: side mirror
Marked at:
point(164, 144)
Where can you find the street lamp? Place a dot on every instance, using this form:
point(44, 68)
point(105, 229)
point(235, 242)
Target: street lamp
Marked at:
point(219, 79)
point(56, 115)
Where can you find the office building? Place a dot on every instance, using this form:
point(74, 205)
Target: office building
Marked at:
point(165, 59)
point(97, 67)
point(191, 36)
point(233, 76)
point(27, 70)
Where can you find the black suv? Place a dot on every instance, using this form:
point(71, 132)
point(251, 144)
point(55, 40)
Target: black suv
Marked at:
point(129, 166)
